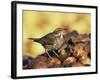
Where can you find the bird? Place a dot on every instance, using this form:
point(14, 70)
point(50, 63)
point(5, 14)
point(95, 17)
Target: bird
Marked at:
point(52, 41)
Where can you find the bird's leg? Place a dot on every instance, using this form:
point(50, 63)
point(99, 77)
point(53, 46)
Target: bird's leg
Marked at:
point(48, 54)
point(55, 53)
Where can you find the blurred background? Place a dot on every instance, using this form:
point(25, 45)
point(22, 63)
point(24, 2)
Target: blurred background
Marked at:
point(37, 24)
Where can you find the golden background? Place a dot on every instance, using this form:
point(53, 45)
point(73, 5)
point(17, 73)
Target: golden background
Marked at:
point(37, 24)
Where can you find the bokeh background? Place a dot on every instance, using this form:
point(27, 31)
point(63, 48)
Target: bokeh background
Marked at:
point(37, 24)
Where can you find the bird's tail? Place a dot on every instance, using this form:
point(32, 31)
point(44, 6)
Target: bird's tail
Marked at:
point(34, 39)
